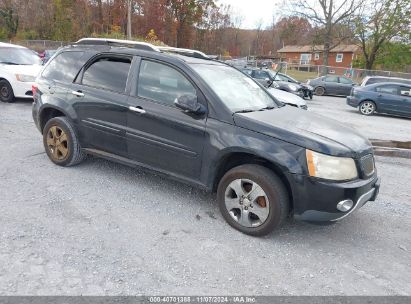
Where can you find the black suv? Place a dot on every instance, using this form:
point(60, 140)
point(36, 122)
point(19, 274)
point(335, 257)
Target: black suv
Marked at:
point(205, 123)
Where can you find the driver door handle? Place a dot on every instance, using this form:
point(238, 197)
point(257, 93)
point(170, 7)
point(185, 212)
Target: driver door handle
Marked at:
point(137, 109)
point(77, 93)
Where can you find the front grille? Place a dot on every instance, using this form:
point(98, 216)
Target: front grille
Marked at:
point(367, 165)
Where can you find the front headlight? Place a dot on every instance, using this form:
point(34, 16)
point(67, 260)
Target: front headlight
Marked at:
point(25, 78)
point(293, 87)
point(330, 167)
point(310, 88)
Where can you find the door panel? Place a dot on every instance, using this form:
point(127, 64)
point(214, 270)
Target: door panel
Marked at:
point(100, 103)
point(165, 137)
point(159, 134)
point(388, 98)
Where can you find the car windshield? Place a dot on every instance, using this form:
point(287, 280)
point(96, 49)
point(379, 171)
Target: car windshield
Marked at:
point(237, 91)
point(18, 56)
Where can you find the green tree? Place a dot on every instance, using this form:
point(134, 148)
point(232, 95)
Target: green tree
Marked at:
point(382, 21)
point(63, 11)
point(9, 20)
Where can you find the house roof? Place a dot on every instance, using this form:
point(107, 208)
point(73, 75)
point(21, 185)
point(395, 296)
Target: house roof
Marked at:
point(351, 48)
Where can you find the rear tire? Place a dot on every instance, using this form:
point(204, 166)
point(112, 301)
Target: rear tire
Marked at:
point(320, 91)
point(252, 199)
point(61, 142)
point(6, 91)
point(367, 108)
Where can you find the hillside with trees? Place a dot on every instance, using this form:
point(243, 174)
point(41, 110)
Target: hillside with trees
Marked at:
point(376, 27)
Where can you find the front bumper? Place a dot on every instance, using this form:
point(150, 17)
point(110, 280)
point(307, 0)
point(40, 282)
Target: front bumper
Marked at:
point(316, 200)
point(22, 89)
point(352, 101)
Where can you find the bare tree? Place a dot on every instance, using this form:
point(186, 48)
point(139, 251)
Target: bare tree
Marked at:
point(328, 16)
point(380, 22)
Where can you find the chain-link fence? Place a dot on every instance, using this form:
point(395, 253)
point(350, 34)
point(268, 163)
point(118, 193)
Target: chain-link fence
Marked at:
point(354, 73)
point(40, 45)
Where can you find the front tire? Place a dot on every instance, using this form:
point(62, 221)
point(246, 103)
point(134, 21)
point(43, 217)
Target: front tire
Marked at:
point(320, 91)
point(6, 91)
point(367, 108)
point(252, 199)
point(61, 142)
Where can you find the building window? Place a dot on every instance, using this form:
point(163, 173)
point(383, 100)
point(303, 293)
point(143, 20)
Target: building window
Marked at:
point(305, 58)
point(316, 56)
point(339, 58)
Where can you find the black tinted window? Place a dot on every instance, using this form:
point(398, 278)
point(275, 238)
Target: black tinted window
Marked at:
point(261, 75)
point(108, 73)
point(64, 67)
point(162, 83)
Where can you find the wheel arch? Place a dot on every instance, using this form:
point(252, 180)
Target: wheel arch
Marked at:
point(234, 159)
point(48, 113)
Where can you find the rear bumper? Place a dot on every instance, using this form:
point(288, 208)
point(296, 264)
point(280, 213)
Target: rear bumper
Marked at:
point(22, 89)
point(316, 200)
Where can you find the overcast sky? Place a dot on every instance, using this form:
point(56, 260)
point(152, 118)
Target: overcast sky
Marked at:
point(254, 10)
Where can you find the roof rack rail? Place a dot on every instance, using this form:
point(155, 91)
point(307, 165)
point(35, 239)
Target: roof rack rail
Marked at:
point(185, 52)
point(118, 42)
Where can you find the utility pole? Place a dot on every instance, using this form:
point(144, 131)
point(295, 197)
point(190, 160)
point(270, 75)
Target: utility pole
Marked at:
point(129, 19)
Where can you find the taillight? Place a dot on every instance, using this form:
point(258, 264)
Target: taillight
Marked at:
point(34, 88)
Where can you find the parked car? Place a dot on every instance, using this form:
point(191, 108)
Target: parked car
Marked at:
point(268, 79)
point(46, 55)
point(377, 79)
point(19, 67)
point(332, 85)
point(288, 98)
point(307, 89)
point(205, 123)
point(392, 98)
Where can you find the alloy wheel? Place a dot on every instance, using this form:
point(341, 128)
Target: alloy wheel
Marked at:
point(57, 143)
point(4, 92)
point(367, 108)
point(247, 203)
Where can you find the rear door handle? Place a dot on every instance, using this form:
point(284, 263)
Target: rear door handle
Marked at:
point(137, 109)
point(77, 93)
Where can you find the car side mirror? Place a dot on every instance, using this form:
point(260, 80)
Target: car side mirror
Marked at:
point(189, 103)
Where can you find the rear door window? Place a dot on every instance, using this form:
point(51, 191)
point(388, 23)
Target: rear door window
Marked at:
point(109, 73)
point(331, 79)
point(387, 89)
point(64, 67)
point(345, 80)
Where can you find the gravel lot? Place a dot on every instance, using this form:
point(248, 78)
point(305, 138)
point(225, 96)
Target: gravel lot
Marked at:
point(378, 126)
point(105, 229)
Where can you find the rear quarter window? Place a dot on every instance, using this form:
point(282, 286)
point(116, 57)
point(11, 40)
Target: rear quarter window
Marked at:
point(109, 73)
point(64, 67)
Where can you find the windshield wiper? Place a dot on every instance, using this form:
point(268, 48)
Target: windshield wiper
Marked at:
point(267, 108)
point(9, 62)
point(244, 111)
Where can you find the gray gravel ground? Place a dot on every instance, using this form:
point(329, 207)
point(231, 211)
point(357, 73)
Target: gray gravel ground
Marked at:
point(378, 126)
point(101, 228)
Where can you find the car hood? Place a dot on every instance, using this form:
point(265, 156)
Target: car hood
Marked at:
point(307, 130)
point(286, 97)
point(31, 70)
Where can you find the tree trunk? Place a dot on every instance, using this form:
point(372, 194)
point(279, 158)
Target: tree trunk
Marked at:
point(326, 53)
point(129, 19)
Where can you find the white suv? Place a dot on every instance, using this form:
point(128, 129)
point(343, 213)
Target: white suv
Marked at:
point(19, 67)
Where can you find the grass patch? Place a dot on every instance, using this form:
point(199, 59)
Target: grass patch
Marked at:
point(302, 76)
